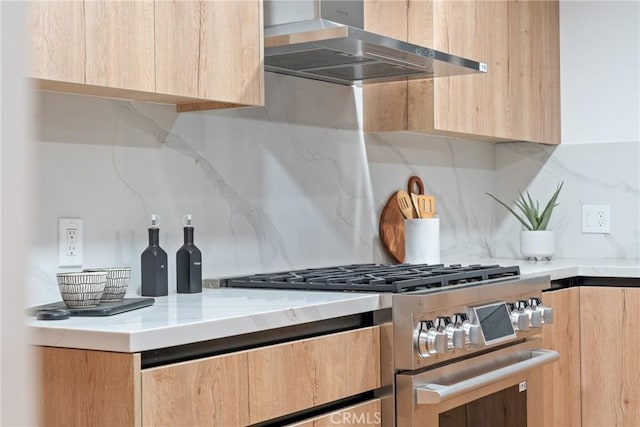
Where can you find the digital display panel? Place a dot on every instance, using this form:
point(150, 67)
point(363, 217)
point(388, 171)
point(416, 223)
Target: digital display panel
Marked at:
point(495, 322)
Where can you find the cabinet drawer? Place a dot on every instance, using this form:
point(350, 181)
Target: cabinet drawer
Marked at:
point(290, 377)
point(251, 386)
point(211, 391)
point(362, 414)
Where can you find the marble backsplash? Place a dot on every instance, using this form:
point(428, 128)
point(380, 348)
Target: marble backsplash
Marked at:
point(593, 174)
point(295, 184)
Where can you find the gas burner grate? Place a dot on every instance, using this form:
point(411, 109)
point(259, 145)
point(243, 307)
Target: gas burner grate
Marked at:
point(395, 278)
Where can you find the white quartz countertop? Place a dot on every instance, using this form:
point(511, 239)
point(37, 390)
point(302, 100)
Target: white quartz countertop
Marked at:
point(187, 318)
point(218, 313)
point(563, 268)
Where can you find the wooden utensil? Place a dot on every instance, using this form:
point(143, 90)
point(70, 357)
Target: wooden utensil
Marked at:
point(415, 185)
point(391, 229)
point(405, 203)
point(431, 207)
point(425, 205)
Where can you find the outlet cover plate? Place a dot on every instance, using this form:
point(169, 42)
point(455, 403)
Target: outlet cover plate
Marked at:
point(69, 242)
point(596, 219)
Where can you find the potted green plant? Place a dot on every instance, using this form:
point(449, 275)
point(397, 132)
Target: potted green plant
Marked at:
point(536, 242)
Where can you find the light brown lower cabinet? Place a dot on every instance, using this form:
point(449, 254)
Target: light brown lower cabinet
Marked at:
point(596, 380)
point(211, 391)
point(562, 378)
point(84, 387)
point(610, 365)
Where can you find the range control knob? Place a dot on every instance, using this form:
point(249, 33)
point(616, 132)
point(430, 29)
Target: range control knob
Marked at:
point(535, 317)
point(441, 323)
point(459, 318)
point(455, 334)
point(519, 319)
point(521, 305)
point(471, 331)
point(429, 340)
point(546, 312)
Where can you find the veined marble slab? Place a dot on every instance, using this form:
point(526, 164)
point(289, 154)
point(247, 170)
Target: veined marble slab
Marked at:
point(296, 185)
point(187, 318)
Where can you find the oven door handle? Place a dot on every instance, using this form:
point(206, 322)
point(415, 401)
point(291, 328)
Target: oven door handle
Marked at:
point(433, 393)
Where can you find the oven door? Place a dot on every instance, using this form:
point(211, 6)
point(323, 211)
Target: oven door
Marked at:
point(498, 388)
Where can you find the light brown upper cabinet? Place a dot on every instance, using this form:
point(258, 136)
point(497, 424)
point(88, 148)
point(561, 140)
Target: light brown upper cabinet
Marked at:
point(119, 40)
point(57, 41)
point(517, 100)
point(196, 54)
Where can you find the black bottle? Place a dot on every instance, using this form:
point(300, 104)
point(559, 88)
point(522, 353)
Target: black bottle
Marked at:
point(188, 263)
point(154, 264)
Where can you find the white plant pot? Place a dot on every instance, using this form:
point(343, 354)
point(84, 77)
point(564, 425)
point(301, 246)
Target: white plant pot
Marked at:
point(538, 245)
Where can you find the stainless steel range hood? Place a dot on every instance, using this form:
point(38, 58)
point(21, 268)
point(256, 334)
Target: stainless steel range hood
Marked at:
point(324, 40)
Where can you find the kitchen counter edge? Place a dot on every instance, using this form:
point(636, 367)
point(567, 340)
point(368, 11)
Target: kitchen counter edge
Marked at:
point(179, 319)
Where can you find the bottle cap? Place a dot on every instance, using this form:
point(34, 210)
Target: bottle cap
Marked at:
point(186, 220)
point(155, 221)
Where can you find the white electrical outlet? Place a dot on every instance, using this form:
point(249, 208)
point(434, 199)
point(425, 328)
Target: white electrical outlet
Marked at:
point(596, 219)
point(69, 242)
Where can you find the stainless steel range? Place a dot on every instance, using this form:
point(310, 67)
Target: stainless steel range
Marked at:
point(466, 340)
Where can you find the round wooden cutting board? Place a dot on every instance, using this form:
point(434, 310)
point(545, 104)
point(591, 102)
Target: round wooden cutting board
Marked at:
point(392, 229)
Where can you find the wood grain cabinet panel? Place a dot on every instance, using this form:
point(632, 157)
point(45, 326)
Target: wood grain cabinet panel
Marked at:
point(610, 365)
point(205, 392)
point(83, 387)
point(561, 380)
point(177, 47)
point(534, 70)
point(56, 41)
point(385, 103)
point(517, 100)
point(230, 67)
point(475, 104)
point(282, 380)
point(202, 52)
point(120, 44)
point(299, 375)
point(195, 54)
point(347, 364)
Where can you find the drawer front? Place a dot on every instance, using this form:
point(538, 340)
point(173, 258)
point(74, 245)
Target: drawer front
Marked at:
point(252, 386)
point(205, 392)
point(294, 376)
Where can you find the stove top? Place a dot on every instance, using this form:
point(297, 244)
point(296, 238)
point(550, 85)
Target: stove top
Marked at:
point(374, 277)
